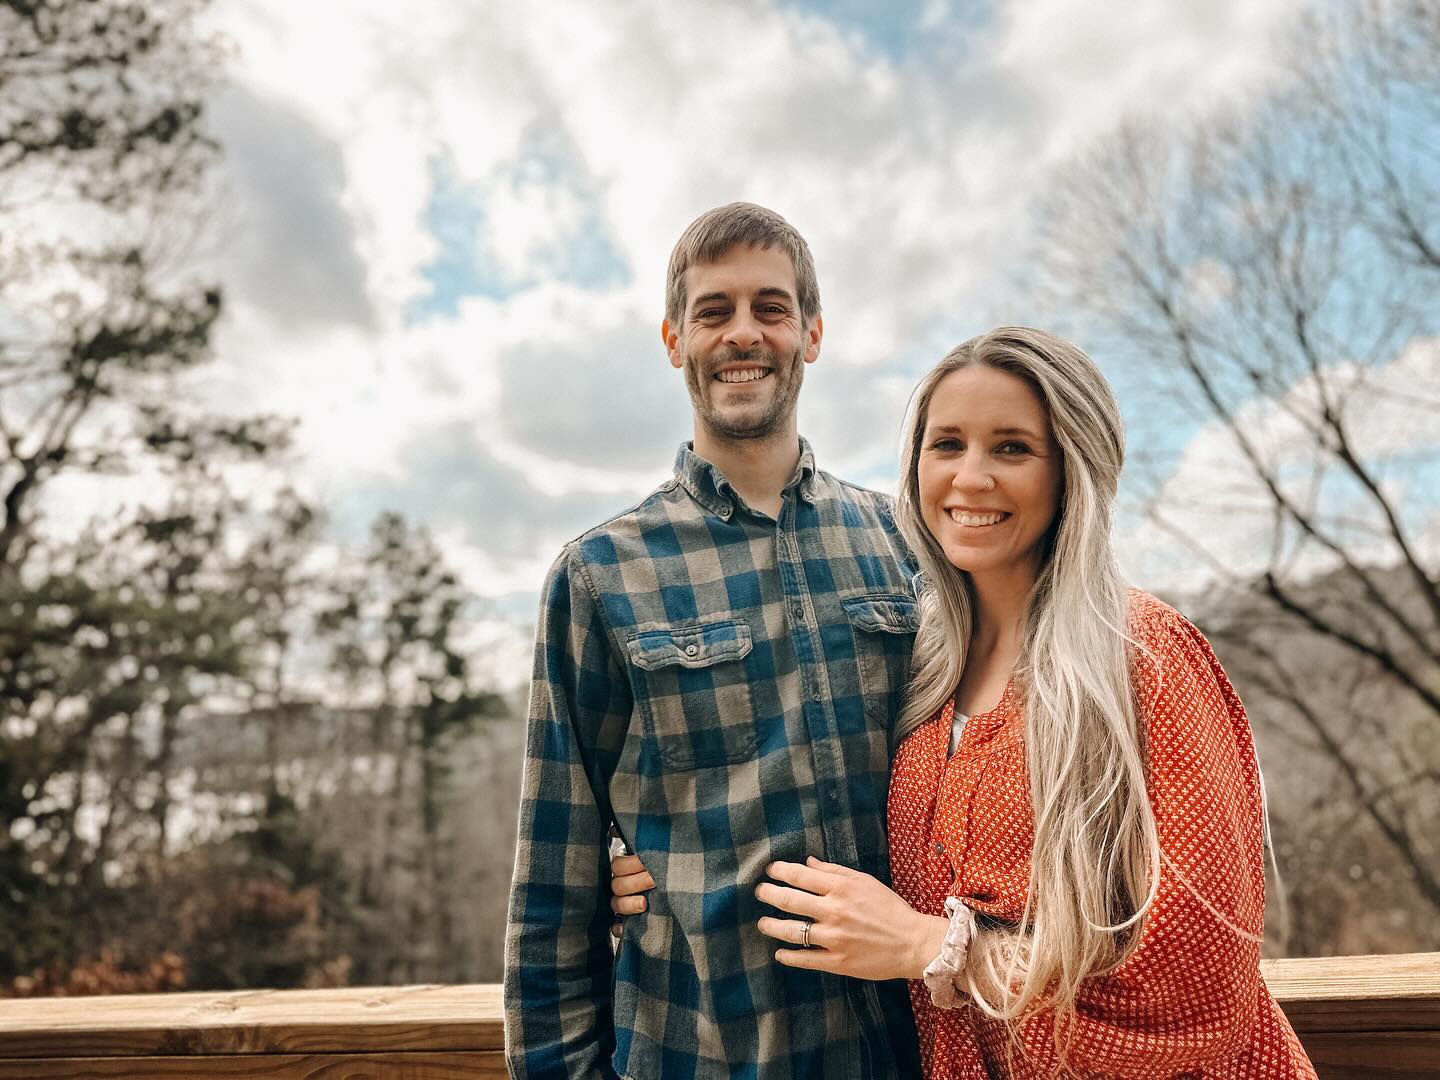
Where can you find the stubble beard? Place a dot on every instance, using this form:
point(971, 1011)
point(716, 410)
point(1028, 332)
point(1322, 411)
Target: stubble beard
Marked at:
point(699, 379)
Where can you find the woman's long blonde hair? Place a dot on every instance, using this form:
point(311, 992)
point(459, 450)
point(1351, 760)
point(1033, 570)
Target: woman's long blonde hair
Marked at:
point(1096, 859)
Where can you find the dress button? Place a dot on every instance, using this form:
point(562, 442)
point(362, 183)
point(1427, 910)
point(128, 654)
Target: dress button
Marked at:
point(692, 650)
point(939, 848)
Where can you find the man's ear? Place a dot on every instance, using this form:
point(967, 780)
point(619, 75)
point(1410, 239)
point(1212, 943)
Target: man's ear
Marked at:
point(671, 338)
point(813, 333)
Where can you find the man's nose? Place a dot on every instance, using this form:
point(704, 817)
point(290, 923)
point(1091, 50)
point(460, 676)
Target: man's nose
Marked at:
point(743, 331)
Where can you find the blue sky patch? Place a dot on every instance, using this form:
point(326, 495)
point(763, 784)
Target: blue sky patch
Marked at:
point(457, 215)
point(899, 29)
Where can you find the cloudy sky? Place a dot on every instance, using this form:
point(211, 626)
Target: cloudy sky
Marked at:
point(446, 222)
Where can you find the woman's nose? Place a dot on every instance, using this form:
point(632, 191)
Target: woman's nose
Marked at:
point(972, 475)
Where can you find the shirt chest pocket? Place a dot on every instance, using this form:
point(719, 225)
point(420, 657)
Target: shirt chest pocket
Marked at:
point(884, 626)
point(693, 689)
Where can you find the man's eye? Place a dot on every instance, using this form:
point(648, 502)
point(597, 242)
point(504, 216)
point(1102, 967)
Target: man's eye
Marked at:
point(773, 310)
point(710, 313)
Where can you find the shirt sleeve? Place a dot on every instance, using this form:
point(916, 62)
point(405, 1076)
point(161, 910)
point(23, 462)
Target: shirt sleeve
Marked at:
point(1189, 995)
point(558, 1009)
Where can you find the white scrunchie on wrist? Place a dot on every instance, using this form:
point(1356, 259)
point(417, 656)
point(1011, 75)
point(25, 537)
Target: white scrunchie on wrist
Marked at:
point(942, 972)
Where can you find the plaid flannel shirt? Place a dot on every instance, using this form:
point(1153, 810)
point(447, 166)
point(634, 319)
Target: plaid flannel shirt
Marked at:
point(721, 685)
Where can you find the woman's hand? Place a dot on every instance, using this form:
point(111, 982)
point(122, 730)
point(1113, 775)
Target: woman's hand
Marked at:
point(629, 881)
point(858, 926)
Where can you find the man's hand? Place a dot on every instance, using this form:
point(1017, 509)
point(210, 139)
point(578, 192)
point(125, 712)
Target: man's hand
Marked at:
point(858, 926)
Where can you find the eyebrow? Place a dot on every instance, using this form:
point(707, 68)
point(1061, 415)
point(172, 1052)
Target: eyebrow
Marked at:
point(951, 429)
point(770, 292)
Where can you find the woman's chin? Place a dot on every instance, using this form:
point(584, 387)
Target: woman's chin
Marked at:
point(987, 562)
point(971, 558)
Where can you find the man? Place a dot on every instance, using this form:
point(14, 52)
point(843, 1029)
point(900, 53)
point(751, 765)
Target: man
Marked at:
point(716, 672)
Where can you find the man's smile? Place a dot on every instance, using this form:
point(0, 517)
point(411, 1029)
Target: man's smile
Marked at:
point(742, 375)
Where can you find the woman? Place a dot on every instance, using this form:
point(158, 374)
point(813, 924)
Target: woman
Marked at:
point(1076, 825)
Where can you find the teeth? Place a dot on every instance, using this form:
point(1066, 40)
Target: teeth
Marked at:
point(962, 517)
point(742, 375)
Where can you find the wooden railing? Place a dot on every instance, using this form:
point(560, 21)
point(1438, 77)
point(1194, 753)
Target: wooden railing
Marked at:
point(1359, 1016)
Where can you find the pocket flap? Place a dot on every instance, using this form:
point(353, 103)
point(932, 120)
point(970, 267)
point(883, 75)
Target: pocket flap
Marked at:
point(891, 613)
point(690, 646)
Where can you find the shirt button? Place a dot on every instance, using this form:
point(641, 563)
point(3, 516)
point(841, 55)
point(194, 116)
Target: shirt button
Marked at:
point(939, 848)
point(724, 511)
point(798, 610)
point(692, 650)
point(833, 793)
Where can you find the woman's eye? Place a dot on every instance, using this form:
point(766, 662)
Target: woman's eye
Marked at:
point(1013, 448)
point(947, 445)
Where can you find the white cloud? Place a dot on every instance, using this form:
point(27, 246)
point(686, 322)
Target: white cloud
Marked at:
point(1091, 61)
point(615, 123)
point(934, 14)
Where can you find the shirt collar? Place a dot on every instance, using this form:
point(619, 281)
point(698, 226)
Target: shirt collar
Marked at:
point(709, 487)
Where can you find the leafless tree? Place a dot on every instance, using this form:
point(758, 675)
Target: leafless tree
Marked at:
point(1273, 269)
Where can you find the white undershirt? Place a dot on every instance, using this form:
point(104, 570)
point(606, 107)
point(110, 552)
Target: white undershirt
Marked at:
point(957, 725)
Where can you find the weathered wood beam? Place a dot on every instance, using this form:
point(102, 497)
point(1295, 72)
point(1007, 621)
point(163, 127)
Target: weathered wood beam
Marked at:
point(1359, 1016)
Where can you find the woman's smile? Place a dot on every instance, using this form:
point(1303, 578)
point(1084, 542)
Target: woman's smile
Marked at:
point(976, 519)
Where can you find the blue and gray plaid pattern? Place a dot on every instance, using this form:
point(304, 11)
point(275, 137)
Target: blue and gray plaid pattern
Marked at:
point(722, 686)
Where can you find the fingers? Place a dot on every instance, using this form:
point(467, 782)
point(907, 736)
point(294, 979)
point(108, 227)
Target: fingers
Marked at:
point(809, 959)
point(795, 901)
point(790, 931)
point(628, 905)
point(830, 867)
point(625, 865)
point(815, 958)
point(630, 884)
point(616, 929)
point(809, 878)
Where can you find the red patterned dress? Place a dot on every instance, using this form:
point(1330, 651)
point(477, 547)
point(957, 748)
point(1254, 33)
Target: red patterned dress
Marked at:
point(1189, 1001)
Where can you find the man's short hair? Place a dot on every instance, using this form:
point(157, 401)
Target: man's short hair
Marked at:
point(715, 232)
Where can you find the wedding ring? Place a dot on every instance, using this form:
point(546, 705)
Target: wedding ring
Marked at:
point(805, 934)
